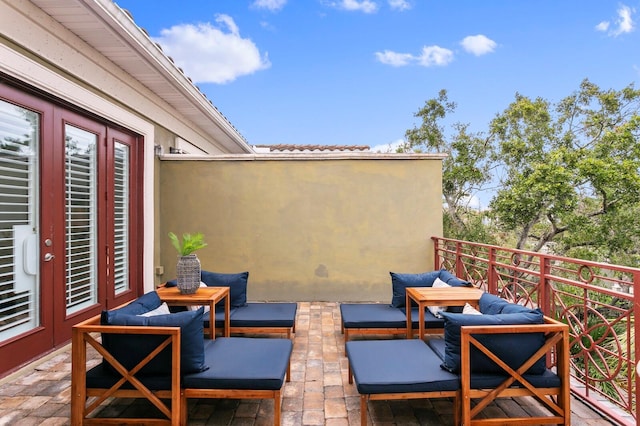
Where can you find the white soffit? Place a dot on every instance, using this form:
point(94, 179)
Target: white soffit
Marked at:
point(111, 31)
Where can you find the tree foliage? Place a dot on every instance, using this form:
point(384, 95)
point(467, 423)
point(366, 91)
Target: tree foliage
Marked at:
point(466, 168)
point(568, 173)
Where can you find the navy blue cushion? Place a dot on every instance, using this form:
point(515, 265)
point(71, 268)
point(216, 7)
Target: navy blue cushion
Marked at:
point(243, 363)
point(145, 303)
point(371, 315)
point(490, 304)
point(390, 366)
point(399, 283)
point(237, 284)
point(547, 379)
point(130, 349)
point(264, 315)
point(220, 317)
point(430, 321)
point(513, 349)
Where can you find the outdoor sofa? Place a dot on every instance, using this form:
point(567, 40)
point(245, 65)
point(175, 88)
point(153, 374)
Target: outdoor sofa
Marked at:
point(391, 319)
point(165, 359)
point(247, 317)
point(505, 350)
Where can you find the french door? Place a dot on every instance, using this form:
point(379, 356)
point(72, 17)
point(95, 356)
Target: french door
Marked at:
point(69, 222)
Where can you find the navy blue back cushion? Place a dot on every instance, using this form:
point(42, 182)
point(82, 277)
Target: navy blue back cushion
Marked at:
point(513, 349)
point(399, 283)
point(130, 349)
point(237, 284)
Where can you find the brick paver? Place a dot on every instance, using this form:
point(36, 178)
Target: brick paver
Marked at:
point(318, 394)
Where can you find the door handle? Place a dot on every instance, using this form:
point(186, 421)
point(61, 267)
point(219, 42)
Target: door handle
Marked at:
point(48, 257)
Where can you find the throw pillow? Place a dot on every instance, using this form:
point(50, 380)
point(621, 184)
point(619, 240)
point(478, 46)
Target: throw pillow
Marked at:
point(435, 310)
point(470, 310)
point(160, 310)
point(399, 283)
point(501, 345)
point(130, 349)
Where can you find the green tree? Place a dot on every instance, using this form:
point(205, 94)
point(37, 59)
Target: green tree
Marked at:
point(465, 170)
point(570, 173)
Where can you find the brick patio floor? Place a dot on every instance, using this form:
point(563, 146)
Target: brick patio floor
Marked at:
point(318, 394)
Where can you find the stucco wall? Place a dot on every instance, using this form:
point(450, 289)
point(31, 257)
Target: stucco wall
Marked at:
point(325, 228)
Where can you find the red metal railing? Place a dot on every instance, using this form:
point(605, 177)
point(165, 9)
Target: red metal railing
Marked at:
point(596, 300)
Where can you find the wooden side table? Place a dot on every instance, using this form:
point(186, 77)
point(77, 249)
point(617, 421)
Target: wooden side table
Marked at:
point(441, 296)
point(203, 296)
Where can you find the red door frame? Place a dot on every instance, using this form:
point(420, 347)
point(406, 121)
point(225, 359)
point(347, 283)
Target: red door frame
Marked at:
point(55, 325)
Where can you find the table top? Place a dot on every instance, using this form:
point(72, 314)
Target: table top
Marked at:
point(445, 295)
point(203, 294)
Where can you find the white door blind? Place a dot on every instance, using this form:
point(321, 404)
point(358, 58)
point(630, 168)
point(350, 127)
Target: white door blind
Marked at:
point(80, 217)
point(19, 309)
point(121, 218)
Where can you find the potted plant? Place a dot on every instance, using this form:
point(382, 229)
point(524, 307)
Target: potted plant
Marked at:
point(188, 268)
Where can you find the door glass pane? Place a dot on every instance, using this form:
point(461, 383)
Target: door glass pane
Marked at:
point(121, 218)
point(19, 266)
point(80, 217)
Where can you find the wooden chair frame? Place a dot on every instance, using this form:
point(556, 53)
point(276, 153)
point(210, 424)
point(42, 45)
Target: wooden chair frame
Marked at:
point(556, 400)
point(84, 401)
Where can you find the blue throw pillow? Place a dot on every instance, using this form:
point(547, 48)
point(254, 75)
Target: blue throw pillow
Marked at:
point(399, 283)
point(490, 304)
point(452, 280)
point(130, 349)
point(237, 284)
point(513, 349)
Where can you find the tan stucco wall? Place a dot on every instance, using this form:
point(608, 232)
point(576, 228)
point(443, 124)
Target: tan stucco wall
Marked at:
point(316, 229)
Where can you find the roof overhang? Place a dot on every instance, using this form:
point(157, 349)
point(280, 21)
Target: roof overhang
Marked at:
point(110, 30)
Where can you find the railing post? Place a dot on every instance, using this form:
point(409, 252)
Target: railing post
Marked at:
point(544, 301)
point(636, 332)
point(492, 275)
point(436, 255)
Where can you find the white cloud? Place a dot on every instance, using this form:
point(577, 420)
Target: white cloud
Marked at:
point(366, 6)
point(212, 54)
point(399, 5)
point(435, 55)
point(478, 44)
point(272, 5)
point(389, 147)
point(430, 56)
point(394, 59)
point(623, 24)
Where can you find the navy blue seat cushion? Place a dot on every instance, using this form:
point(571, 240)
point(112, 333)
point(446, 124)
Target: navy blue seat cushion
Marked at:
point(237, 284)
point(547, 379)
point(264, 315)
point(243, 363)
point(220, 314)
point(437, 344)
point(390, 366)
point(399, 283)
point(130, 349)
point(430, 321)
point(513, 349)
point(372, 315)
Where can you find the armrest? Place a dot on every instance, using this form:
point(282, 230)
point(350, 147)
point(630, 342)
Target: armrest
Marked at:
point(84, 333)
point(555, 347)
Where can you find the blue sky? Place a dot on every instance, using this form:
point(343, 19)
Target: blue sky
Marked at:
point(354, 72)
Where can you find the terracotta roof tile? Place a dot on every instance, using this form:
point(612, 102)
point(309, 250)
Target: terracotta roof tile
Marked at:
point(315, 148)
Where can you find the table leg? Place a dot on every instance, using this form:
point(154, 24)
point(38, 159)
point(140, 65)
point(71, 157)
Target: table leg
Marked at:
point(407, 307)
point(421, 308)
point(212, 320)
point(227, 310)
